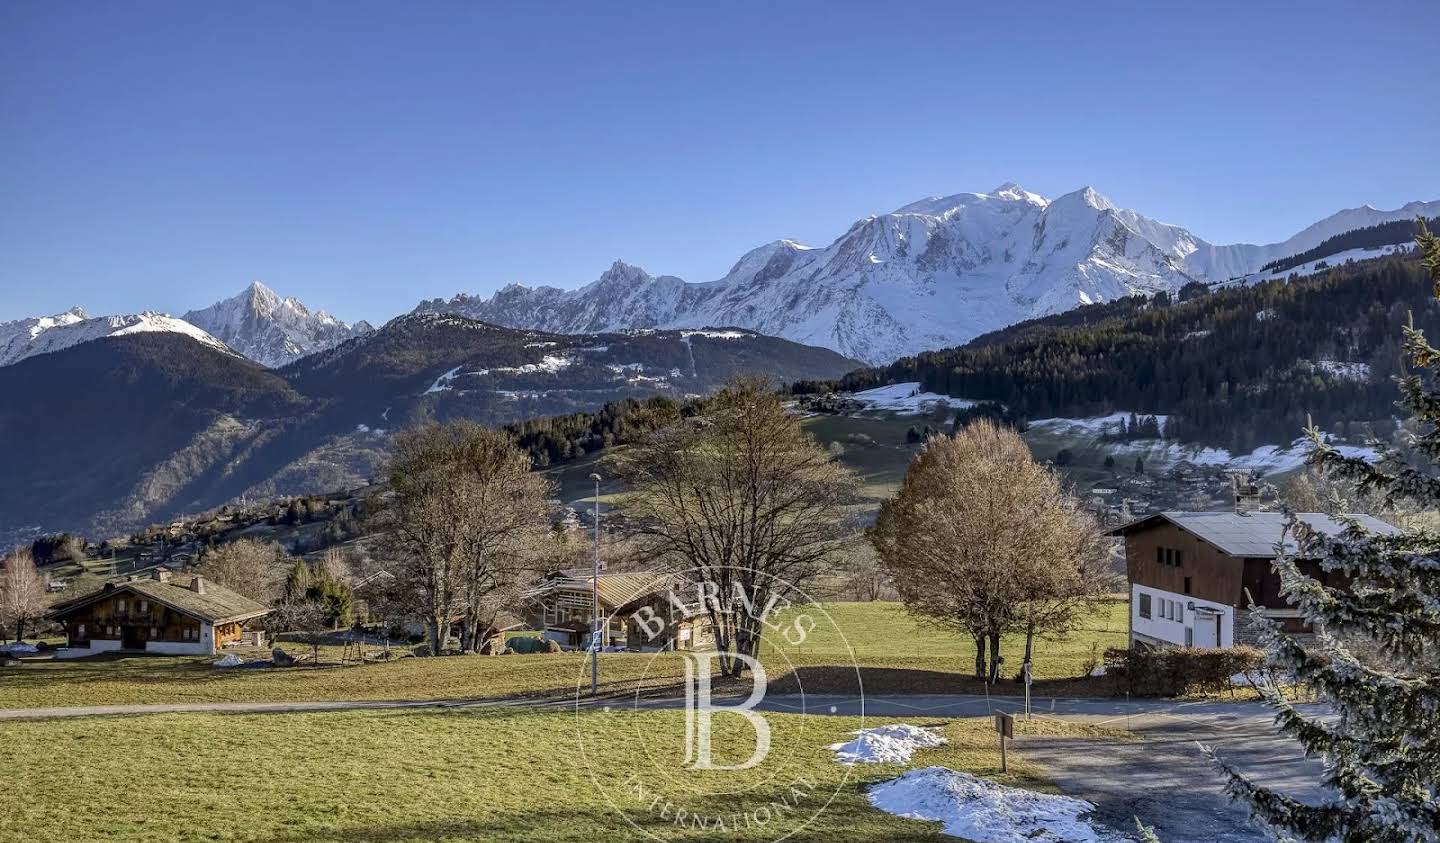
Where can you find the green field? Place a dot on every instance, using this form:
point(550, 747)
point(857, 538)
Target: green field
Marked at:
point(383, 777)
point(896, 653)
point(880, 466)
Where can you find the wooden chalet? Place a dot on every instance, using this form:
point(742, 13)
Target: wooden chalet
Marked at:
point(1190, 573)
point(561, 605)
point(161, 613)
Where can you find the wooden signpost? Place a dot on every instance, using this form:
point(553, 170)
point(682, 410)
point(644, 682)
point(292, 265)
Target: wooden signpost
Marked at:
point(1005, 725)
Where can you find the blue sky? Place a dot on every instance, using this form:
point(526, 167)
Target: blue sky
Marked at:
point(365, 155)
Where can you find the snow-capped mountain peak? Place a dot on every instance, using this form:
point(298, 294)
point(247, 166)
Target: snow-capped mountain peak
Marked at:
point(29, 337)
point(270, 329)
point(930, 274)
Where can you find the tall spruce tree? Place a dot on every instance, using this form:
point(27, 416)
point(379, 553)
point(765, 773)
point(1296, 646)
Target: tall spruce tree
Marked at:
point(1381, 748)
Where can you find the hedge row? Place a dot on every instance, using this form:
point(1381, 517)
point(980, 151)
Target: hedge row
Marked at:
point(1175, 671)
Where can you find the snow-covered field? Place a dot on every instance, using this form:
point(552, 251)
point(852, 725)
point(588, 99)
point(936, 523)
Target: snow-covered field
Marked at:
point(907, 398)
point(1271, 459)
point(892, 744)
point(986, 812)
point(1093, 426)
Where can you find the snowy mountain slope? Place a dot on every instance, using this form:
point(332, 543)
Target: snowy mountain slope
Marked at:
point(17, 336)
point(1220, 263)
point(272, 330)
point(931, 274)
point(29, 337)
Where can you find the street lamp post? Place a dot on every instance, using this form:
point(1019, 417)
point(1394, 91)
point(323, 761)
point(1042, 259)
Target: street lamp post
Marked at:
point(595, 599)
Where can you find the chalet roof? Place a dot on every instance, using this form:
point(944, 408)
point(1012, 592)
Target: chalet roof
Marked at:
point(217, 605)
point(1253, 534)
point(615, 589)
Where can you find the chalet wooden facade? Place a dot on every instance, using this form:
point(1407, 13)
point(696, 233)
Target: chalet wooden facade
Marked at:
point(161, 613)
point(1190, 573)
point(561, 605)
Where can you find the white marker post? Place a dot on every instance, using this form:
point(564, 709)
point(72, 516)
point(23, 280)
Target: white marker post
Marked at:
point(1025, 670)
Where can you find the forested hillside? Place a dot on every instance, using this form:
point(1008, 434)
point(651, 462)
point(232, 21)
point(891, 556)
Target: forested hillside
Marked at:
point(156, 425)
point(1236, 368)
point(1370, 237)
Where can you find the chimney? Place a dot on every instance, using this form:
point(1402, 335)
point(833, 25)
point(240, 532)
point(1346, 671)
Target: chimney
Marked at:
point(160, 575)
point(197, 584)
point(1244, 492)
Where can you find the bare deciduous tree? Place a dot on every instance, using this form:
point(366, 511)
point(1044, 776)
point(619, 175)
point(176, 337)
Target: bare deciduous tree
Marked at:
point(22, 592)
point(249, 567)
point(464, 498)
point(744, 499)
point(983, 539)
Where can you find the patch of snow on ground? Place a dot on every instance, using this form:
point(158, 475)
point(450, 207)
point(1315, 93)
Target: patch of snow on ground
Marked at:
point(229, 660)
point(1272, 459)
point(442, 383)
point(892, 744)
point(986, 812)
point(1094, 426)
point(1341, 369)
point(907, 398)
point(19, 647)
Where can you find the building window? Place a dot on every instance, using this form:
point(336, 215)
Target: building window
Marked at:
point(144, 606)
point(1189, 637)
point(80, 631)
point(1144, 605)
point(120, 606)
point(1159, 556)
point(1187, 585)
point(1179, 558)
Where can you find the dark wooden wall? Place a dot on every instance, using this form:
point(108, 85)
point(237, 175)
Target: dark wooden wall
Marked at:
point(1213, 575)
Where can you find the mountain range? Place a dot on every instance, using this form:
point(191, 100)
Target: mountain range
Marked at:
point(140, 426)
point(931, 274)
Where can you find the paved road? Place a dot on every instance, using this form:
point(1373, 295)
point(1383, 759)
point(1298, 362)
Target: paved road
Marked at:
point(1163, 779)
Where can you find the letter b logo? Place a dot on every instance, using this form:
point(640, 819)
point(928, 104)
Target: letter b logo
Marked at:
point(699, 710)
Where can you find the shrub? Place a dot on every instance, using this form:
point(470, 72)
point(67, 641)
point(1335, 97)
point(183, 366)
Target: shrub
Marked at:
point(1174, 671)
point(525, 644)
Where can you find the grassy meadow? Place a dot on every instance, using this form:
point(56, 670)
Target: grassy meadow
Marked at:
point(367, 777)
point(896, 654)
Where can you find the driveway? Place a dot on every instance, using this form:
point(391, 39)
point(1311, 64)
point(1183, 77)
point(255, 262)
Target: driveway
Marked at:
point(1163, 779)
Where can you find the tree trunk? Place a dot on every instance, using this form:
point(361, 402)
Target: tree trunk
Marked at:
point(979, 657)
point(439, 634)
point(996, 660)
point(1029, 642)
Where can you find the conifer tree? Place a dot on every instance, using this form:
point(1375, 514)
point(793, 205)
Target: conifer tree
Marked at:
point(1382, 749)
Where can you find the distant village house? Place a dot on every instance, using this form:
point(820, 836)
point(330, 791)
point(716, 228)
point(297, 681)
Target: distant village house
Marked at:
point(561, 605)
